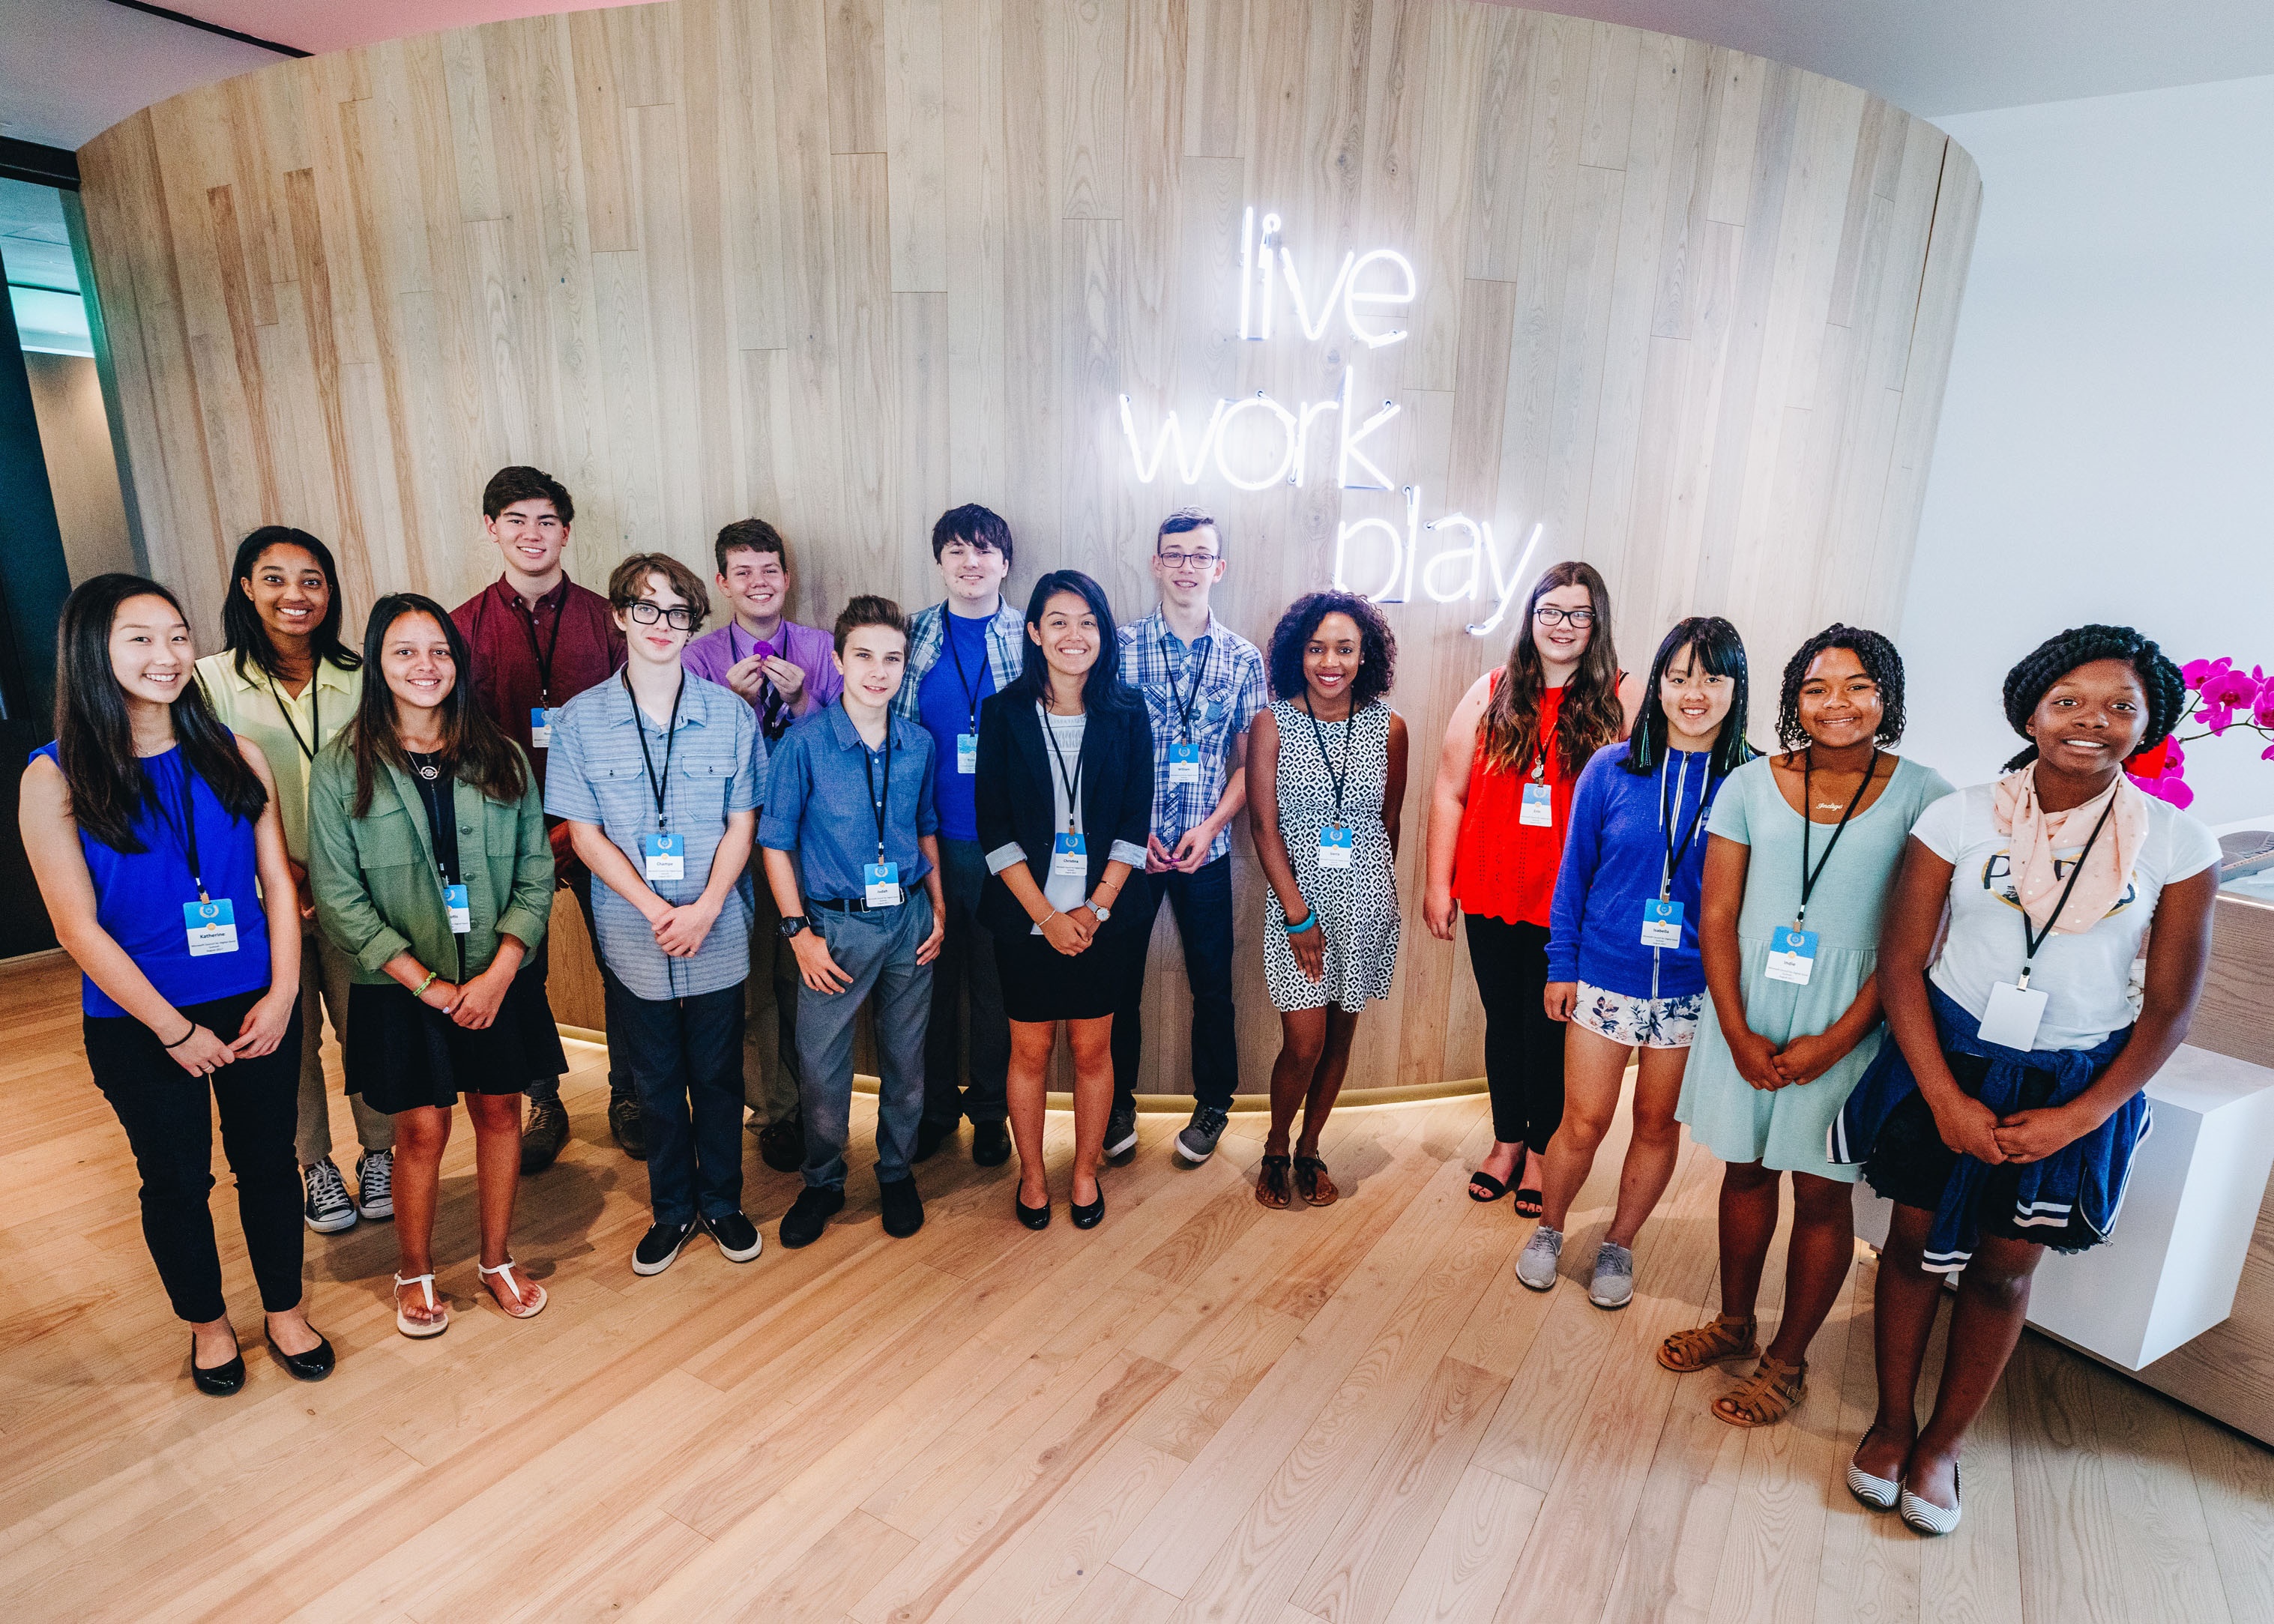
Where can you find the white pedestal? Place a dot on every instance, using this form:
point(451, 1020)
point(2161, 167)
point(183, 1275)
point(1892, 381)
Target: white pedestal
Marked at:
point(2169, 1274)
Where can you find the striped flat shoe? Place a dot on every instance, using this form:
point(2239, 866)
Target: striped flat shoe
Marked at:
point(1924, 1516)
point(1879, 1493)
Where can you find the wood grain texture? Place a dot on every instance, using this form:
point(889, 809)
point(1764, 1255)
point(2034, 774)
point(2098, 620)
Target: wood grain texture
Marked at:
point(844, 263)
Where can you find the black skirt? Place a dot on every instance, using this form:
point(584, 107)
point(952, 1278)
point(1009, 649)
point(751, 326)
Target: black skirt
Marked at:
point(1041, 984)
point(401, 1055)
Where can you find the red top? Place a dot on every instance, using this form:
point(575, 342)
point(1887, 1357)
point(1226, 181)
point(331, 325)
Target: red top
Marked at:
point(512, 649)
point(1504, 868)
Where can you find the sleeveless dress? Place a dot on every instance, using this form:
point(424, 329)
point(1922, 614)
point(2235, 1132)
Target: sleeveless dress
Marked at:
point(1357, 906)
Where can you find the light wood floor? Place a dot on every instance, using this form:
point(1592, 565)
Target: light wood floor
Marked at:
point(1200, 1411)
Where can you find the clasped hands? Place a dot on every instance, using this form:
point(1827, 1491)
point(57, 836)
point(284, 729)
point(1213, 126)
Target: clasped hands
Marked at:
point(1972, 1129)
point(1802, 1060)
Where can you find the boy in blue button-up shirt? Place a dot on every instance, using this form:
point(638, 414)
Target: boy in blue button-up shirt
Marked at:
point(657, 773)
point(851, 793)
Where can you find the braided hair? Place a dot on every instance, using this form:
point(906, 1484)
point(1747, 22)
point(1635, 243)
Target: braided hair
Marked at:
point(1881, 663)
point(2056, 656)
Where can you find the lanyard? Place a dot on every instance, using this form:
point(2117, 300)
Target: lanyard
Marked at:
point(1808, 825)
point(315, 715)
point(662, 786)
point(2032, 940)
point(440, 794)
point(1186, 704)
point(544, 657)
point(868, 767)
point(188, 831)
point(1666, 824)
point(1073, 784)
point(970, 697)
point(1335, 776)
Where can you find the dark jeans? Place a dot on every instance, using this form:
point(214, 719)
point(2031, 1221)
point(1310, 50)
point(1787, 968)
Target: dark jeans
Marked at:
point(966, 968)
point(168, 1116)
point(1201, 901)
point(1523, 1049)
point(620, 1076)
point(687, 1063)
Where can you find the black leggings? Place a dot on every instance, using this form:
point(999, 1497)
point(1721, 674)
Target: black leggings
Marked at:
point(1523, 1049)
point(168, 1116)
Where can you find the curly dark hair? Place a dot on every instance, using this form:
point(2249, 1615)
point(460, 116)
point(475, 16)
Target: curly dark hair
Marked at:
point(1377, 646)
point(1881, 663)
point(2056, 656)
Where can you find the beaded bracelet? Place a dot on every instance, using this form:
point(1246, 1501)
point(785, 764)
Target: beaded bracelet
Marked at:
point(419, 991)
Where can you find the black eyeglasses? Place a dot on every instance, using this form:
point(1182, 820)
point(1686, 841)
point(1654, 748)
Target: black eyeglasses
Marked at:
point(1180, 560)
point(648, 614)
point(1579, 620)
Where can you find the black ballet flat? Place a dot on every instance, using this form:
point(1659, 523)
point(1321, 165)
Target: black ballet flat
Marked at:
point(1033, 1217)
point(313, 1365)
point(223, 1379)
point(1088, 1217)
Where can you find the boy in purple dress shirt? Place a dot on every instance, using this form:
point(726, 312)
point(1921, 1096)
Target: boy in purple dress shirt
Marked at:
point(786, 671)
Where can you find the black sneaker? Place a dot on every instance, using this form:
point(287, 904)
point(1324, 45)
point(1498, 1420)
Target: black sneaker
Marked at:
point(1197, 1142)
point(903, 1208)
point(627, 1126)
point(543, 1133)
point(660, 1246)
point(991, 1143)
point(327, 1209)
point(931, 1136)
point(810, 1214)
point(1121, 1132)
point(375, 1184)
point(739, 1240)
point(781, 1145)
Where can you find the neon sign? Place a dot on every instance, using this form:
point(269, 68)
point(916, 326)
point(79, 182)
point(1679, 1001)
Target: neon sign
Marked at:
point(1277, 449)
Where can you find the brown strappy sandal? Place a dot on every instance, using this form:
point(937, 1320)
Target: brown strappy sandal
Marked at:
point(1731, 1336)
point(1312, 1180)
point(1272, 1183)
point(1766, 1396)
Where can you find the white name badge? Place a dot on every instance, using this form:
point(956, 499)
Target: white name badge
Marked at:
point(1539, 808)
point(666, 857)
point(212, 926)
point(881, 885)
point(1662, 923)
point(1184, 763)
point(1070, 855)
point(1792, 957)
point(966, 752)
point(540, 728)
point(462, 915)
point(1335, 848)
point(2012, 1018)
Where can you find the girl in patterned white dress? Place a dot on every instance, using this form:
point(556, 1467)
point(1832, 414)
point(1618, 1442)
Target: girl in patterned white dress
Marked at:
point(1326, 776)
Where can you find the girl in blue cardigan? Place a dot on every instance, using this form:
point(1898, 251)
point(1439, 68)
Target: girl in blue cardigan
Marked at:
point(1622, 964)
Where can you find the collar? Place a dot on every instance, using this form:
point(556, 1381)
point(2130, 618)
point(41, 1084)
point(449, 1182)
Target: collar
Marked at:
point(1155, 625)
point(329, 678)
point(693, 703)
point(557, 598)
point(847, 737)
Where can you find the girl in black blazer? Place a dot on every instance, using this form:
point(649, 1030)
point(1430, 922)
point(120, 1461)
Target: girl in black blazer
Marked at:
point(1064, 797)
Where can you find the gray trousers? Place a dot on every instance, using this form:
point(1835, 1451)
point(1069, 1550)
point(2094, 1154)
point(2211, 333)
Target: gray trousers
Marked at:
point(325, 973)
point(879, 951)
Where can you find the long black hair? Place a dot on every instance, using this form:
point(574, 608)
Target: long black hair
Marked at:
point(94, 740)
point(1377, 646)
point(1881, 663)
point(241, 630)
point(477, 751)
point(2056, 656)
point(1717, 649)
point(1101, 687)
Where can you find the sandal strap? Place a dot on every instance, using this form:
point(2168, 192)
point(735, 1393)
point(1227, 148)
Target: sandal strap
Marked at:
point(1727, 1334)
point(1771, 1392)
point(425, 1282)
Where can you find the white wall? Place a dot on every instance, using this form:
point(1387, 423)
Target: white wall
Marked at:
point(2108, 435)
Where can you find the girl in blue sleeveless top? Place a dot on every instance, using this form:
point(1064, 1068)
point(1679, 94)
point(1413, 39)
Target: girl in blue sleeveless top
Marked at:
point(153, 834)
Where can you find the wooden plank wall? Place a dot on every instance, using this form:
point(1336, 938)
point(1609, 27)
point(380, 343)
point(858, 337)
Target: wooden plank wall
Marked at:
point(844, 262)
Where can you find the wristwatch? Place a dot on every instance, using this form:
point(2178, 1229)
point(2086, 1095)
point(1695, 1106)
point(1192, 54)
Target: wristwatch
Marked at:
point(792, 924)
point(1100, 909)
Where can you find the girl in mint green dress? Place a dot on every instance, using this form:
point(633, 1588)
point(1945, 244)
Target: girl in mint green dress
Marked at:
point(1788, 1026)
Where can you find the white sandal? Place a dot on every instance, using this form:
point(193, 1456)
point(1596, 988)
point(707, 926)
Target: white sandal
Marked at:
point(421, 1328)
point(529, 1309)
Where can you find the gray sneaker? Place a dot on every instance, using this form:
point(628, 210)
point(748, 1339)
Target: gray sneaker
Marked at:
point(1535, 1264)
point(1197, 1143)
point(1613, 1286)
point(1121, 1134)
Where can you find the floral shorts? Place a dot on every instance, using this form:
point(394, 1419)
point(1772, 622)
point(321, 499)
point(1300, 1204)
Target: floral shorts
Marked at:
point(1646, 1023)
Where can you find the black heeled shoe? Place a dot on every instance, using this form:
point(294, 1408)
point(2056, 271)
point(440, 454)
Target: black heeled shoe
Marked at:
point(313, 1365)
point(223, 1379)
point(1090, 1216)
point(1033, 1217)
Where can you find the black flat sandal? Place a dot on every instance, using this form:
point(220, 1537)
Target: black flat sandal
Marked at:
point(1530, 1204)
point(1486, 1181)
point(1271, 1187)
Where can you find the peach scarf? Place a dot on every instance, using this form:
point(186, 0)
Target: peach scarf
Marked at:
point(2036, 834)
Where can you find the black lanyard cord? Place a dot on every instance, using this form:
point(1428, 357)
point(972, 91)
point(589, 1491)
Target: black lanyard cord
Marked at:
point(188, 830)
point(1808, 825)
point(947, 618)
point(1674, 847)
point(1186, 701)
point(1073, 784)
point(545, 658)
point(661, 787)
point(2034, 940)
point(315, 714)
point(878, 802)
point(1335, 776)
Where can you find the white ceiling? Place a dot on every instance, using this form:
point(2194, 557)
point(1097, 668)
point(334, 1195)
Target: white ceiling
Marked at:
point(73, 68)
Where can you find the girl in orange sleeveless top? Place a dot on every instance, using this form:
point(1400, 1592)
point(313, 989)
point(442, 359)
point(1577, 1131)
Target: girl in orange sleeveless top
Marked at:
point(1501, 802)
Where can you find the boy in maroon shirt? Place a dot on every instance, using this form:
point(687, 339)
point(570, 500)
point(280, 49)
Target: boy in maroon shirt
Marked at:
point(538, 641)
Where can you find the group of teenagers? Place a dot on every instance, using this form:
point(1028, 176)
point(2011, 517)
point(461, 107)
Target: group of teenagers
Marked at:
point(969, 818)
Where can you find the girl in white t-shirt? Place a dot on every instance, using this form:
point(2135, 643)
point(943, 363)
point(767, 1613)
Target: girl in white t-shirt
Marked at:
point(2003, 1119)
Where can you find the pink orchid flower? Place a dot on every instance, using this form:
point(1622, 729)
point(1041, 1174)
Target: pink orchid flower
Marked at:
point(2231, 689)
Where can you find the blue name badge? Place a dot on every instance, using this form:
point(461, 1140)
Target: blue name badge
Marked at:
point(541, 727)
point(1539, 808)
point(462, 913)
point(212, 926)
point(966, 753)
point(1335, 847)
point(1070, 855)
point(881, 885)
point(1184, 763)
point(666, 856)
point(1792, 955)
point(1662, 923)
